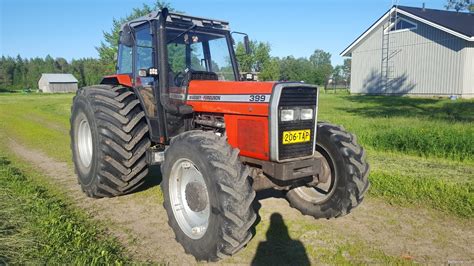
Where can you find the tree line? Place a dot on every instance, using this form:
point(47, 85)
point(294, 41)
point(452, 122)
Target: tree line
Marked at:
point(17, 73)
point(315, 69)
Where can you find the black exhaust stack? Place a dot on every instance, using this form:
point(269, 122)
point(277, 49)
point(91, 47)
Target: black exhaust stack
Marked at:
point(164, 70)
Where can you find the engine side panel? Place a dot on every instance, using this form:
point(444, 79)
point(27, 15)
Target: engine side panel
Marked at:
point(249, 134)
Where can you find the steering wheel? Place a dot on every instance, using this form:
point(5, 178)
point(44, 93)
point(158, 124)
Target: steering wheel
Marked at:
point(179, 78)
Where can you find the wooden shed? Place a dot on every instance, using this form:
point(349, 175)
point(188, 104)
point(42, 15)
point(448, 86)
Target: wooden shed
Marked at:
point(52, 83)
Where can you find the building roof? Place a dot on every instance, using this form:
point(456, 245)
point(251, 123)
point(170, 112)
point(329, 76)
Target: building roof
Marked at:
point(59, 78)
point(459, 24)
point(457, 21)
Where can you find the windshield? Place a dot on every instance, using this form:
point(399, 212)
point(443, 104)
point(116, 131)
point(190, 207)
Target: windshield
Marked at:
point(198, 51)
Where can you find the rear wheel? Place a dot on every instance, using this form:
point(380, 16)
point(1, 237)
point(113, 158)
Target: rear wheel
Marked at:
point(109, 139)
point(344, 174)
point(207, 195)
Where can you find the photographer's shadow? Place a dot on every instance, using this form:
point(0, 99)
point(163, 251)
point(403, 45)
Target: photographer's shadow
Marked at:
point(279, 248)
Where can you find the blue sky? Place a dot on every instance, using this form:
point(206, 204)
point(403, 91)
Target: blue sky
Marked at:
point(72, 28)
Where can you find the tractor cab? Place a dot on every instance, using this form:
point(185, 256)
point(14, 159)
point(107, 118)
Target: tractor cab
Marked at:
point(159, 54)
point(192, 45)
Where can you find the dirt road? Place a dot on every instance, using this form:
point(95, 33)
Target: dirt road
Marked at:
point(140, 223)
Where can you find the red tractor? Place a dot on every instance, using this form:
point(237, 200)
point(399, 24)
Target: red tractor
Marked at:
point(177, 101)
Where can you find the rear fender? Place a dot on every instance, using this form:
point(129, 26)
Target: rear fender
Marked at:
point(118, 79)
point(145, 97)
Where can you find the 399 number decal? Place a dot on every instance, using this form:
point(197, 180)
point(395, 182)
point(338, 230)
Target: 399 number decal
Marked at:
point(257, 98)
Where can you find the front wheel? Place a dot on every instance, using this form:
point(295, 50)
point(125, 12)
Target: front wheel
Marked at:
point(207, 195)
point(344, 179)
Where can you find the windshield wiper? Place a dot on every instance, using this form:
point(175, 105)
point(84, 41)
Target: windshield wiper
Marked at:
point(182, 33)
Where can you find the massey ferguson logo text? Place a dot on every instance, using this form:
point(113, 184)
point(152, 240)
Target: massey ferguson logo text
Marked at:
point(204, 97)
point(250, 98)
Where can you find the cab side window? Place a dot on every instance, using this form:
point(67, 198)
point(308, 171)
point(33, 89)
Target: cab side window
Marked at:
point(124, 60)
point(144, 52)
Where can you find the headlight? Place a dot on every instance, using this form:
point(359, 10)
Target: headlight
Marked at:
point(306, 114)
point(287, 115)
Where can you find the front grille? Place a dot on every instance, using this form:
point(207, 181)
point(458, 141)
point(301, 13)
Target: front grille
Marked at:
point(300, 97)
point(295, 96)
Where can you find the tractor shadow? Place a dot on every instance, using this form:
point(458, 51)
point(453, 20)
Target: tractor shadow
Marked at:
point(152, 179)
point(278, 248)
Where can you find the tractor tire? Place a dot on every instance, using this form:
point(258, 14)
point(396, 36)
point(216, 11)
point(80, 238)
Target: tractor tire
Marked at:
point(207, 195)
point(109, 139)
point(347, 174)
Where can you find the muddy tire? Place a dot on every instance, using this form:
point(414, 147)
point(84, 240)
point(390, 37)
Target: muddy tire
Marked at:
point(109, 139)
point(347, 180)
point(207, 195)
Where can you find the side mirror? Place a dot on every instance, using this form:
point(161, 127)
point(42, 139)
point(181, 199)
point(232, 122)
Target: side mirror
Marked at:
point(247, 48)
point(126, 36)
point(247, 45)
point(115, 56)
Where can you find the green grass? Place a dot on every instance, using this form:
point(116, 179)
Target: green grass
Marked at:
point(419, 126)
point(39, 121)
point(420, 150)
point(440, 184)
point(439, 194)
point(38, 227)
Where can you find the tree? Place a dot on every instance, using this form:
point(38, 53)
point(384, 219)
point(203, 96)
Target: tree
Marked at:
point(321, 61)
point(109, 47)
point(296, 69)
point(459, 5)
point(270, 70)
point(259, 60)
point(347, 70)
point(61, 65)
point(338, 75)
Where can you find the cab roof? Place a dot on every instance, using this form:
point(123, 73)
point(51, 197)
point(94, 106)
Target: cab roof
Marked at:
point(178, 19)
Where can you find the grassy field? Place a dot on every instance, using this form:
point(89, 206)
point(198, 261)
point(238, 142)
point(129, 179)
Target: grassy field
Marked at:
point(421, 151)
point(38, 226)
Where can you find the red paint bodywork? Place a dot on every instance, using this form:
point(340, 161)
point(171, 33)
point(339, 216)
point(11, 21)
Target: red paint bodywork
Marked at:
point(230, 87)
point(121, 79)
point(250, 134)
point(246, 123)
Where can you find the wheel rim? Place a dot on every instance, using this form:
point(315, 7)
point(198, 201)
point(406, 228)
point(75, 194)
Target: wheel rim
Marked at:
point(189, 198)
point(84, 142)
point(322, 191)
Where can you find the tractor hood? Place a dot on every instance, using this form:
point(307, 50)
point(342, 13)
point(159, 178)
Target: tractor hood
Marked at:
point(230, 97)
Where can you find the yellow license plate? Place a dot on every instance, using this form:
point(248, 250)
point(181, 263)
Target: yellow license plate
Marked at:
point(296, 136)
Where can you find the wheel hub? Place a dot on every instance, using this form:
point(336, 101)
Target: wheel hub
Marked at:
point(189, 198)
point(320, 192)
point(196, 196)
point(84, 142)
